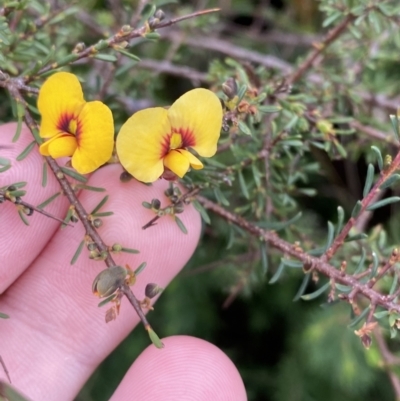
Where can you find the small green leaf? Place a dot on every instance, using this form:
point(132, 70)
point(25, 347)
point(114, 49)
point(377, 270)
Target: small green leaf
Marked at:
point(90, 188)
point(244, 128)
point(4, 316)
point(390, 181)
point(277, 274)
point(343, 288)
point(374, 265)
point(73, 174)
point(357, 209)
point(100, 205)
point(129, 250)
point(359, 317)
point(331, 232)
point(77, 253)
point(103, 214)
point(264, 257)
point(9, 393)
point(243, 185)
point(48, 201)
point(147, 205)
point(269, 108)
point(241, 92)
point(105, 57)
point(340, 221)
point(152, 36)
point(26, 151)
point(395, 125)
point(381, 314)
point(23, 217)
point(105, 301)
point(44, 174)
point(360, 265)
point(379, 158)
point(278, 225)
point(316, 293)
point(302, 288)
point(220, 197)
point(5, 164)
point(383, 202)
point(127, 54)
point(180, 224)
point(20, 116)
point(369, 180)
point(356, 237)
point(204, 215)
point(140, 268)
point(154, 338)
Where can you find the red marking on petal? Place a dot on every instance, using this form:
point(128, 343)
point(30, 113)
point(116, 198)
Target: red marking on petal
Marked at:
point(188, 137)
point(78, 132)
point(165, 145)
point(63, 122)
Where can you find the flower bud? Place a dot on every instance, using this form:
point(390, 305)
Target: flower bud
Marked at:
point(152, 290)
point(97, 223)
point(155, 204)
point(125, 177)
point(108, 281)
point(159, 14)
point(179, 208)
point(229, 87)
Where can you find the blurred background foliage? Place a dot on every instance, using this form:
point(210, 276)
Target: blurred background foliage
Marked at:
point(284, 350)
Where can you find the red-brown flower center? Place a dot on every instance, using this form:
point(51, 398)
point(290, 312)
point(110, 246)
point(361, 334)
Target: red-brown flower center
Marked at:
point(178, 138)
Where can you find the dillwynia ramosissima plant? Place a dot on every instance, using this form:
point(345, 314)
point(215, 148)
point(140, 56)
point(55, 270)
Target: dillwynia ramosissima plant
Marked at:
point(249, 150)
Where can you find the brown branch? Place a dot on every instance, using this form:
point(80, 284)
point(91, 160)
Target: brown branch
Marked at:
point(296, 252)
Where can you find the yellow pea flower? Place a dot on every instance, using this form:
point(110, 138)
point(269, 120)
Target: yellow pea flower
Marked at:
point(74, 127)
point(156, 138)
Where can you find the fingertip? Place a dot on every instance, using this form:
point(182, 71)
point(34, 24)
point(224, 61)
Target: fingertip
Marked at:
point(187, 368)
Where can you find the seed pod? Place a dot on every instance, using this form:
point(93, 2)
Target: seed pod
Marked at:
point(152, 290)
point(108, 281)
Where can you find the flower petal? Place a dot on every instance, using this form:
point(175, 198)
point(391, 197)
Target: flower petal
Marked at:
point(142, 142)
point(193, 160)
point(60, 96)
point(60, 145)
point(177, 162)
point(94, 136)
point(198, 113)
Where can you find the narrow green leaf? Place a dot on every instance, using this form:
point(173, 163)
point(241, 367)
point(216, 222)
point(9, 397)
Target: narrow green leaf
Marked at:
point(129, 250)
point(155, 339)
point(127, 54)
point(393, 332)
point(26, 151)
point(270, 108)
point(357, 209)
point(220, 197)
point(243, 186)
point(204, 215)
point(264, 257)
point(332, 18)
point(77, 253)
point(256, 175)
point(19, 184)
point(100, 205)
point(90, 188)
point(105, 57)
point(140, 268)
point(278, 225)
point(44, 174)
point(5, 164)
point(356, 237)
point(394, 284)
point(295, 264)
point(23, 217)
point(331, 232)
point(241, 92)
point(383, 202)
point(48, 201)
point(180, 224)
point(343, 288)
point(20, 116)
point(105, 301)
point(277, 274)
point(379, 157)
point(359, 318)
point(316, 293)
point(73, 174)
point(244, 128)
point(302, 288)
point(103, 214)
point(231, 238)
point(395, 125)
point(340, 221)
point(381, 314)
point(4, 316)
point(360, 265)
point(147, 205)
point(148, 11)
point(390, 181)
point(369, 180)
point(152, 36)
point(375, 265)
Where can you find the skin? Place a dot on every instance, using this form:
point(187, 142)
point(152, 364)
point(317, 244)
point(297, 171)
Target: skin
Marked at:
point(56, 335)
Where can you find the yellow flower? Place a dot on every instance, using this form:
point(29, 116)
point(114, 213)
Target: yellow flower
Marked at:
point(73, 127)
point(155, 138)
